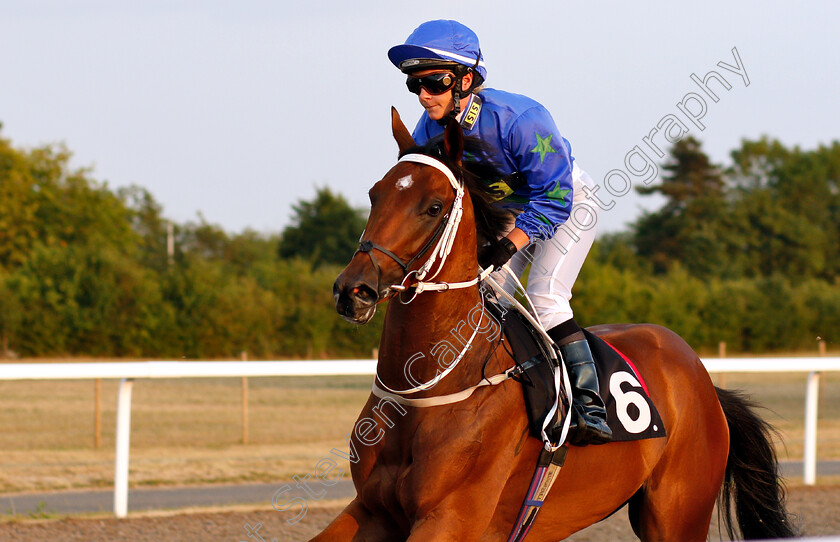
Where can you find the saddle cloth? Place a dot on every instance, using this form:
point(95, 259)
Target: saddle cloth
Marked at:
point(631, 413)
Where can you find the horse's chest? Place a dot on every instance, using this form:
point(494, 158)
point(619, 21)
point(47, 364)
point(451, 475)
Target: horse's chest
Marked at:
point(380, 473)
point(419, 457)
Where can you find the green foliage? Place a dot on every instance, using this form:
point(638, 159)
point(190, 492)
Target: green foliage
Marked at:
point(787, 208)
point(748, 255)
point(86, 271)
point(773, 211)
point(83, 300)
point(145, 216)
point(325, 230)
point(42, 202)
point(749, 314)
point(687, 228)
point(11, 313)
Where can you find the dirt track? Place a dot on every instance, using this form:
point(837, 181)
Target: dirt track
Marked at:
point(816, 507)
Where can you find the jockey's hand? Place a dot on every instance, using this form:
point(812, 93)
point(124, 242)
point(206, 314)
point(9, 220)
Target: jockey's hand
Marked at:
point(499, 254)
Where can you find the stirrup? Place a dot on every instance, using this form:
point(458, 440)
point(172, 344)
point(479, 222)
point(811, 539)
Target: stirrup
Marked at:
point(582, 433)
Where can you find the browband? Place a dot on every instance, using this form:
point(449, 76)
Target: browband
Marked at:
point(435, 163)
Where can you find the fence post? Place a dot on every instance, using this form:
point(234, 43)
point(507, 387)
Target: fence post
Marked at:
point(721, 355)
point(812, 396)
point(123, 442)
point(812, 393)
point(244, 403)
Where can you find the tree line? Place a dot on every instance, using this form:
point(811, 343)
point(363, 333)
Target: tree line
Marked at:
point(748, 254)
point(85, 270)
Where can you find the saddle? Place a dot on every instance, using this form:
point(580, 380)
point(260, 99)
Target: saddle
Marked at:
point(631, 414)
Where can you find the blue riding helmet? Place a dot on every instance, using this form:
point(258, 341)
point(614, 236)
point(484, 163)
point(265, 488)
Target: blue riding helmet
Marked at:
point(436, 44)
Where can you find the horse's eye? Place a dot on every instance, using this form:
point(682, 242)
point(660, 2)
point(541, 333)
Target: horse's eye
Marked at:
point(435, 209)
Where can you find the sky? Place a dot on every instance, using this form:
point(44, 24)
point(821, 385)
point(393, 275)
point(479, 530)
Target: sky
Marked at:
point(237, 110)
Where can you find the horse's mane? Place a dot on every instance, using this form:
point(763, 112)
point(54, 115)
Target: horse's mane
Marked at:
point(491, 221)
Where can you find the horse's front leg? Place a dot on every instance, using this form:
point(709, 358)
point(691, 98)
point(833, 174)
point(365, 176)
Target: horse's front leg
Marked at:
point(357, 524)
point(466, 514)
point(449, 525)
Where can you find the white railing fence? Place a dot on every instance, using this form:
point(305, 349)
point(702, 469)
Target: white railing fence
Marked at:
point(127, 372)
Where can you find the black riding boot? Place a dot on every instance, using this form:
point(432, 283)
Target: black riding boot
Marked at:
point(592, 425)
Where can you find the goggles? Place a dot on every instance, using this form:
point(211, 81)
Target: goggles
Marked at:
point(435, 83)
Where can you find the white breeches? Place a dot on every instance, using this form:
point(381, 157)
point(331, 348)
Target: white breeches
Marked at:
point(556, 262)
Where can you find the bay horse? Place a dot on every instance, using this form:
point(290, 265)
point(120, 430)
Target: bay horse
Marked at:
point(459, 471)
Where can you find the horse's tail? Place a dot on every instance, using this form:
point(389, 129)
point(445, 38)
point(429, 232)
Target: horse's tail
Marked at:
point(751, 482)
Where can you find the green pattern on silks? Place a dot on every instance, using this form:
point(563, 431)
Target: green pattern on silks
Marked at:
point(557, 194)
point(513, 198)
point(543, 146)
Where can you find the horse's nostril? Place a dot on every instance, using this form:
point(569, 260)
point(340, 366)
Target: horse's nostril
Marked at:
point(364, 293)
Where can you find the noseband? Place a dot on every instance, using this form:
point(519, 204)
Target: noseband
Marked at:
point(368, 245)
point(442, 240)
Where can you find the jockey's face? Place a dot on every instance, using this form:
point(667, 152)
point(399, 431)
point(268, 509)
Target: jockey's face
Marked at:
point(440, 105)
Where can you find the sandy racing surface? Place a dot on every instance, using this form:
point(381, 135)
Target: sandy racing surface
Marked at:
point(817, 508)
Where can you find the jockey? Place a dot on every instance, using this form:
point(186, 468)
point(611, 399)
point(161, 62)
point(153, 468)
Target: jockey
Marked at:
point(555, 225)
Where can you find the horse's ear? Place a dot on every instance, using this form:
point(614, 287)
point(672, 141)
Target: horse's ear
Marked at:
point(453, 141)
point(401, 133)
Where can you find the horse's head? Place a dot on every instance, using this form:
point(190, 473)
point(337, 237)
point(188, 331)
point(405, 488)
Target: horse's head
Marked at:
point(410, 212)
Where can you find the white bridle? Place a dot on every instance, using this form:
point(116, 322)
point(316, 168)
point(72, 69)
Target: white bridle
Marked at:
point(438, 255)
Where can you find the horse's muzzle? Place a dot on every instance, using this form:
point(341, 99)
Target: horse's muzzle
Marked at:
point(355, 297)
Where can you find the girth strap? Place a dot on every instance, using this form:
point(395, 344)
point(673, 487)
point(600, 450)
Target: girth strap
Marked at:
point(548, 467)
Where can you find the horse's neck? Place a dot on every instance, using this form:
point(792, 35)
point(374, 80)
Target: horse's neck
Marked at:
point(421, 339)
